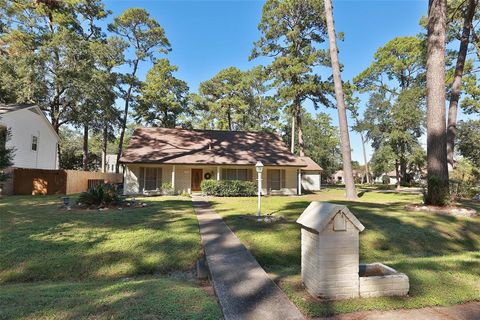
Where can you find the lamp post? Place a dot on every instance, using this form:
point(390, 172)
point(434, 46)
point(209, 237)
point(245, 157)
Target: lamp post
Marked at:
point(259, 168)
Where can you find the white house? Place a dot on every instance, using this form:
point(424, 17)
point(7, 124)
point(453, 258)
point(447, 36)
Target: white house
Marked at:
point(388, 177)
point(110, 163)
point(33, 137)
point(184, 158)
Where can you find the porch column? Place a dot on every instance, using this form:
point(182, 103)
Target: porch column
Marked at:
point(173, 178)
point(299, 182)
point(218, 173)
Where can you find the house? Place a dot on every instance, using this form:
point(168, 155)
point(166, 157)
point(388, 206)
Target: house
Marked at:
point(338, 176)
point(33, 137)
point(311, 175)
point(186, 157)
point(359, 176)
point(387, 178)
point(110, 163)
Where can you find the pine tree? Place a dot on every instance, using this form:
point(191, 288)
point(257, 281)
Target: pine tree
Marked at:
point(342, 112)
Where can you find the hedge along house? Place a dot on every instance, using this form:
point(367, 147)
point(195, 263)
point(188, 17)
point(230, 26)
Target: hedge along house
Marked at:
point(185, 158)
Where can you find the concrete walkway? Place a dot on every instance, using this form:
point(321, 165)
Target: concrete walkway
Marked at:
point(243, 288)
point(467, 311)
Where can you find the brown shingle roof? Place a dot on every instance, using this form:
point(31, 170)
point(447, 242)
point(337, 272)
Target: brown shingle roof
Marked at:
point(179, 146)
point(311, 165)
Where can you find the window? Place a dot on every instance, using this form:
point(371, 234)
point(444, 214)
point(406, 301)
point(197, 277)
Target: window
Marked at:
point(275, 179)
point(237, 174)
point(231, 174)
point(34, 143)
point(3, 137)
point(150, 178)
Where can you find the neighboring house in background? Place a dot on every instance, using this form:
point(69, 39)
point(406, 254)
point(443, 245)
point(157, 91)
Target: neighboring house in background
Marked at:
point(33, 137)
point(186, 157)
point(311, 175)
point(110, 163)
point(391, 177)
point(358, 176)
point(338, 176)
point(388, 177)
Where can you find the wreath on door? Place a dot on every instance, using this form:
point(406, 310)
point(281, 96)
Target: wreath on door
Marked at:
point(208, 176)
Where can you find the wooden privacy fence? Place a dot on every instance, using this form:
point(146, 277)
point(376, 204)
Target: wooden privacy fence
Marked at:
point(78, 181)
point(38, 181)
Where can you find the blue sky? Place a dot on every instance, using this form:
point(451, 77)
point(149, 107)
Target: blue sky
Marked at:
point(207, 36)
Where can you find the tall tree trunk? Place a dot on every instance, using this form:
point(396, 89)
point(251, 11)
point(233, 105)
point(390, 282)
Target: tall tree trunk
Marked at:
point(166, 122)
point(342, 114)
point(367, 173)
point(85, 147)
point(403, 170)
point(104, 148)
point(397, 173)
point(298, 120)
point(229, 119)
point(476, 42)
point(436, 123)
point(457, 82)
point(292, 141)
point(125, 115)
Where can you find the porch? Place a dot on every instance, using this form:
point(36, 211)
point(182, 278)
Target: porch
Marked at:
point(149, 178)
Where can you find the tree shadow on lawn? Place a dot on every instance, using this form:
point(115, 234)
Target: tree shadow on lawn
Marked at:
point(389, 227)
point(435, 282)
point(144, 297)
point(391, 232)
point(411, 233)
point(393, 235)
point(57, 244)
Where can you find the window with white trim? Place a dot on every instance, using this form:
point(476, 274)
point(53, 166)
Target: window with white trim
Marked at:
point(275, 179)
point(34, 143)
point(237, 174)
point(150, 179)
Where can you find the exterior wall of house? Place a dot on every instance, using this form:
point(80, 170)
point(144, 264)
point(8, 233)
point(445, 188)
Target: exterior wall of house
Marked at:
point(23, 125)
point(110, 163)
point(289, 186)
point(311, 180)
point(182, 182)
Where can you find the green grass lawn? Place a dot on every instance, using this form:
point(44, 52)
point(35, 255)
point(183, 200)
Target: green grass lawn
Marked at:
point(57, 264)
point(440, 254)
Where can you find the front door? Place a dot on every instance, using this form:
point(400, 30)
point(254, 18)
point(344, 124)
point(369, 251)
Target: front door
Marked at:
point(197, 177)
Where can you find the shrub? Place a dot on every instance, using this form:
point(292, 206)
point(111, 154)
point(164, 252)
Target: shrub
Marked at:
point(167, 188)
point(229, 188)
point(463, 189)
point(103, 194)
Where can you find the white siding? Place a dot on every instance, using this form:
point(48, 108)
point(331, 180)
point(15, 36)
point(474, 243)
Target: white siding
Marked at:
point(111, 162)
point(311, 181)
point(23, 125)
point(130, 182)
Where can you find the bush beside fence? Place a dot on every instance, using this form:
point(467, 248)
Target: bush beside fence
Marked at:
point(42, 182)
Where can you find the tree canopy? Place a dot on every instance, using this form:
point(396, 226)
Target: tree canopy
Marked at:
point(291, 32)
point(163, 97)
point(236, 100)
